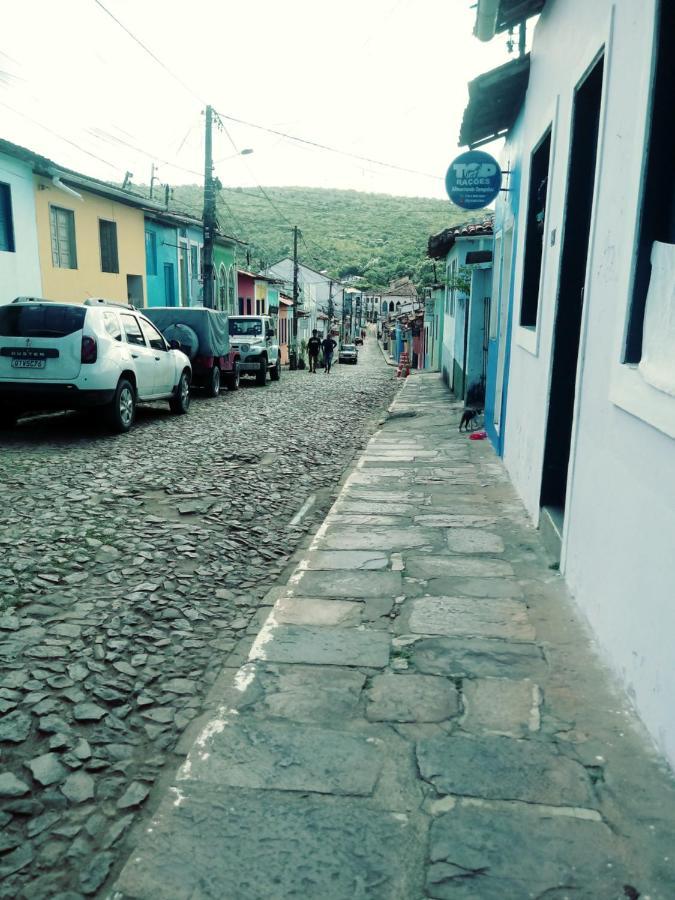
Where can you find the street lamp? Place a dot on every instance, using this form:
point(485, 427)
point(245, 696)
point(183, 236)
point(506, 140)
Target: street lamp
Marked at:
point(245, 152)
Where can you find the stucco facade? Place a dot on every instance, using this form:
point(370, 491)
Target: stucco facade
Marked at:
point(618, 518)
point(20, 266)
point(88, 279)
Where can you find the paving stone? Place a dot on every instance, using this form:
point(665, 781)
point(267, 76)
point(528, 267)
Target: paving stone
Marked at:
point(454, 520)
point(15, 727)
point(47, 769)
point(476, 658)
point(324, 646)
point(134, 795)
point(498, 854)
point(418, 566)
point(88, 712)
point(78, 787)
point(310, 693)
point(505, 619)
point(411, 698)
point(265, 844)
point(95, 872)
point(283, 756)
point(11, 786)
point(501, 706)
point(485, 588)
point(17, 860)
point(345, 559)
point(305, 611)
point(348, 585)
point(501, 768)
point(379, 538)
point(472, 540)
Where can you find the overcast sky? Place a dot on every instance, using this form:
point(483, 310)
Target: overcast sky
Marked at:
point(380, 78)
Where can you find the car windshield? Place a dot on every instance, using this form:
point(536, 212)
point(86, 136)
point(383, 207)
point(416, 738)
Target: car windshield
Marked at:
point(348, 347)
point(246, 327)
point(40, 320)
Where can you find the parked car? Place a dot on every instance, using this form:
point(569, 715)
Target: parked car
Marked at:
point(348, 354)
point(255, 340)
point(96, 354)
point(203, 335)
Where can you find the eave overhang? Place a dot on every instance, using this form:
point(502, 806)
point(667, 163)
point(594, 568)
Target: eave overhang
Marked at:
point(495, 99)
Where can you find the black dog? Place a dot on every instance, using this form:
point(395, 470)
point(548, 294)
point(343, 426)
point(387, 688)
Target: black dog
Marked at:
point(468, 417)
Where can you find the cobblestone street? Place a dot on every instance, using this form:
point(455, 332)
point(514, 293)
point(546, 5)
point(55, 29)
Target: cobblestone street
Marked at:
point(132, 571)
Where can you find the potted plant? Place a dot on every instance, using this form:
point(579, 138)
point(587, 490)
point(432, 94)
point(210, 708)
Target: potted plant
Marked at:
point(303, 351)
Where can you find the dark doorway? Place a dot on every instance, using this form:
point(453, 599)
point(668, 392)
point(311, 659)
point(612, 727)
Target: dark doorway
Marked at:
point(580, 189)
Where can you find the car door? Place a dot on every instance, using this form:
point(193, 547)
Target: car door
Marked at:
point(164, 362)
point(142, 355)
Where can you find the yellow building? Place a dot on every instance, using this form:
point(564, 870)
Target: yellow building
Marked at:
point(91, 239)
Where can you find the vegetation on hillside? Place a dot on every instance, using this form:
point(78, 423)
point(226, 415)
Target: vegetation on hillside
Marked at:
point(376, 236)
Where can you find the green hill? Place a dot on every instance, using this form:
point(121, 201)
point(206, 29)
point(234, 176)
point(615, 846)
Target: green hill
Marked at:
point(344, 232)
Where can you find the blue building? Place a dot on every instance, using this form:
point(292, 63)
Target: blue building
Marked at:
point(505, 86)
point(463, 359)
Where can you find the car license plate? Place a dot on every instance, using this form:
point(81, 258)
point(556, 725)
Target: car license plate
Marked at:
point(29, 363)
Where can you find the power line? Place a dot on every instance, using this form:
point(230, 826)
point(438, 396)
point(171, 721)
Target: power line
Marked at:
point(108, 138)
point(149, 52)
point(319, 146)
point(60, 136)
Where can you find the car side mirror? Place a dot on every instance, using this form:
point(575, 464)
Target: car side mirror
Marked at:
point(174, 344)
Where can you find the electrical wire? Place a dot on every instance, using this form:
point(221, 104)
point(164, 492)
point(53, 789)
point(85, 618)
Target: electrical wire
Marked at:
point(291, 137)
point(156, 58)
point(60, 136)
point(319, 146)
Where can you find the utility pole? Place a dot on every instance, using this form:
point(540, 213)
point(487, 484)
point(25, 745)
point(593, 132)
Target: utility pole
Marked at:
point(153, 179)
point(167, 195)
point(331, 305)
point(295, 284)
point(209, 211)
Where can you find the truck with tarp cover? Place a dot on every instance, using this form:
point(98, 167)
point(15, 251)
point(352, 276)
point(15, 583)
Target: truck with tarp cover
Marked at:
point(204, 336)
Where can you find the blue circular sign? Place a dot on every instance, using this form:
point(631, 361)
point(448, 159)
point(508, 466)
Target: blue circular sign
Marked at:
point(474, 179)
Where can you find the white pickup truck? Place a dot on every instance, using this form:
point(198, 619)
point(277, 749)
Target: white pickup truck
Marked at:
point(254, 339)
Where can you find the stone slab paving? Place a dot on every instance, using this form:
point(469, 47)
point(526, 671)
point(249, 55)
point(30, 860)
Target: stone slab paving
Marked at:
point(420, 715)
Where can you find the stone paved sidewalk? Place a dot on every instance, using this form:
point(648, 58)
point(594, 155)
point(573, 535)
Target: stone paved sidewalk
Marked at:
point(421, 714)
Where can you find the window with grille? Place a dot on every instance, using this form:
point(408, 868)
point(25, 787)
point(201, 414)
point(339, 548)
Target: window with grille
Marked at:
point(534, 234)
point(6, 219)
point(108, 236)
point(62, 224)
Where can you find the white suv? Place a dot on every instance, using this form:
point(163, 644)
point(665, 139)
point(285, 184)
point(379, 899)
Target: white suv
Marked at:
point(70, 356)
point(255, 340)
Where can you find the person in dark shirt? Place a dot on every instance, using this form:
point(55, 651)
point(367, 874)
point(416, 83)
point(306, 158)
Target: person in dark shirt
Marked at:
point(313, 348)
point(329, 346)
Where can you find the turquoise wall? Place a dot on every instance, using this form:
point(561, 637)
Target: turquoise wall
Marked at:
point(161, 264)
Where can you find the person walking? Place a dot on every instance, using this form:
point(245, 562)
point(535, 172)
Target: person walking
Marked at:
point(329, 346)
point(313, 348)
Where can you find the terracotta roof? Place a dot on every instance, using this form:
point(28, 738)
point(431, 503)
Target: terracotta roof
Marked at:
point(439, 244)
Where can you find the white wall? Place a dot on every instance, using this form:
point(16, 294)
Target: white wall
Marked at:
point(20, 271)
point(620, 517)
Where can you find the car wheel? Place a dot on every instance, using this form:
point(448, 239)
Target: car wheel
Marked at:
point(122, 410)
point(180, 402)
point(261, 374)
point(232, 380)
point(213, 387)
point(275, 372)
